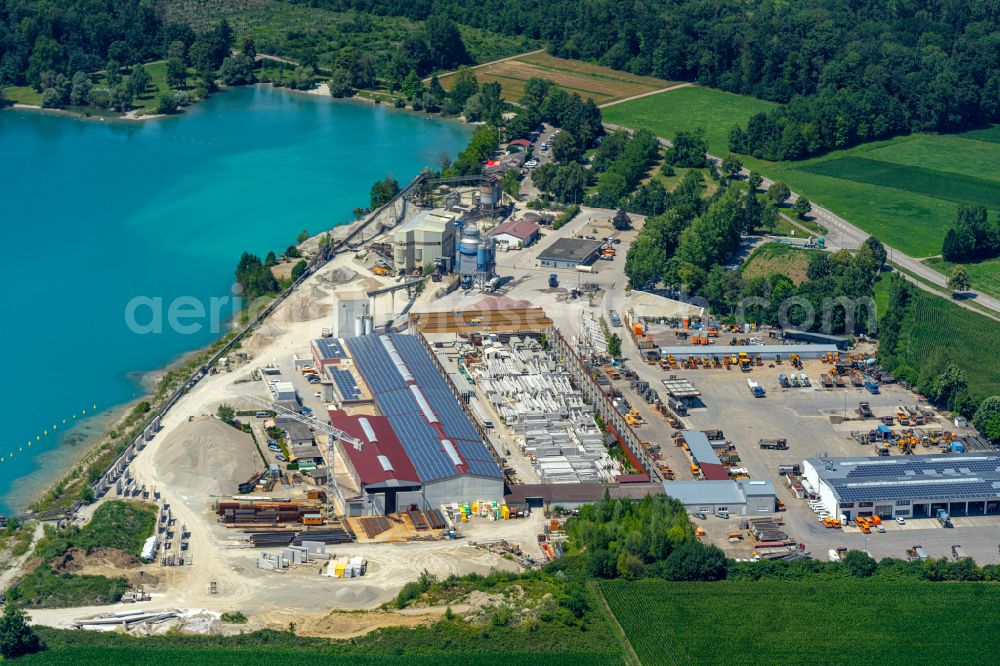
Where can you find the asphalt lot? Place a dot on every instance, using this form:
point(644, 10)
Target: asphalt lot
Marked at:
point(809, 418)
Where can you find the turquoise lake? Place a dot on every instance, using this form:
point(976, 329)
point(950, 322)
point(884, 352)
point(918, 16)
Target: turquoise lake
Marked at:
point(95, 214)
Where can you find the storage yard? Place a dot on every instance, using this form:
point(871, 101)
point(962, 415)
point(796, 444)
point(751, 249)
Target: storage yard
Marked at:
point(390, 421)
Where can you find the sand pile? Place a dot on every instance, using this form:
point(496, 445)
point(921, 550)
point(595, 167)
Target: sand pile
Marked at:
point(263, 336)
point(303, 305)
point(340, 275)
point(206, 457)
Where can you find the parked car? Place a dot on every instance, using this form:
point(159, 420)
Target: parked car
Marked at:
point(317, 394)
point(722, 514)
point(281, 458)
point(273, 447)
point(900, 521)
point(880, 528)
point(699, 515)
point(531, 164)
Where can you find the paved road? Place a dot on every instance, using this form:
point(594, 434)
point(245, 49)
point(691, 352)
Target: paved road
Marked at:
point(843, 234)
point(645, 94)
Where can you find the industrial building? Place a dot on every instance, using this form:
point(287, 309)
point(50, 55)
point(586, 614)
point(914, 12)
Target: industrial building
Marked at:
point(766, 352)
point(426, 239)
point(327, 351)
point(907, 487)
point(703, 456)
point(474, 254)
point(515, 233)
point(569, 253)
point(574, 495)
point(741, 497)
point(842, 343)
point(421, 449)
point(350, 314)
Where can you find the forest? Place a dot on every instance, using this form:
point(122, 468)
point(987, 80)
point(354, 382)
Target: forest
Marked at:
point(847, 72)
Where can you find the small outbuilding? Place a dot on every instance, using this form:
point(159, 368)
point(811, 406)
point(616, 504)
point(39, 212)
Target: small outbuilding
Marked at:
point(516, 233)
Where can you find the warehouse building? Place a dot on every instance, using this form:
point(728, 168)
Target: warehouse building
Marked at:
point(569, 253)
point(426, 238)
point(421, 449)
point(743, 497)
point(907, 487)
point(569, 496)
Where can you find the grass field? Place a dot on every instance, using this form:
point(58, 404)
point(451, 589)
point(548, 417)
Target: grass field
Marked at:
point(785, 622)
point(985, 275)
point(599, 83)
point(904, 191)
point(939, 184)
point(776, 258)
point(687, 109)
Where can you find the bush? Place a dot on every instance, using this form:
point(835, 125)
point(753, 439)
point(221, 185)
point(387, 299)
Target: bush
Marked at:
point(16, 636)
point(233, 617)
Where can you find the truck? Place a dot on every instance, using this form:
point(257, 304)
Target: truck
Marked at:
point(774, 444)
point(554, 280)
point(616, 319)
point(783, 380)
point(677, 406)
point(943, 518)
point(585, 268)
point(466, 282)
point(871, 385)
point(958, 552)
point(865, 410)
point(756, 390)
point(916, 553)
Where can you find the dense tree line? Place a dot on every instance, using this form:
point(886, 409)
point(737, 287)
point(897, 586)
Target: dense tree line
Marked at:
point(625, 162)
point(973, 236)
point(848, 71)
point(255, 276)
point(648, 537)
point(776, 300)
point(544, 101)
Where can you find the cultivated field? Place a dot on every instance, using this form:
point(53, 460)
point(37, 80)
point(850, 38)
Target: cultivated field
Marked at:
point(905, 190)
point(775, 258)
point(970, 338)
point(687, 109)
point(786, 622)
point(599, 83)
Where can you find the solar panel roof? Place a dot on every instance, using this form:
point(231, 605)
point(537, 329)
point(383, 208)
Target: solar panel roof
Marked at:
point(420, 436)
point(944, 477)
point(330, 348)
point(345, 383)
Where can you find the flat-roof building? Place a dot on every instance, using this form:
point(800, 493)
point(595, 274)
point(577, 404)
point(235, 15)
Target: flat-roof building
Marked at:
point(741, 497)
point(569, 253)
point(908, 487)
point(429, 236)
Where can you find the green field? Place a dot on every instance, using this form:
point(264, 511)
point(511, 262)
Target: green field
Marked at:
point(687, 109)
point(904, 191)
point(216, 656)
point(985, 275)
point(939, 184)
point(968, 337)
point(776, 258)
point(785, 622)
